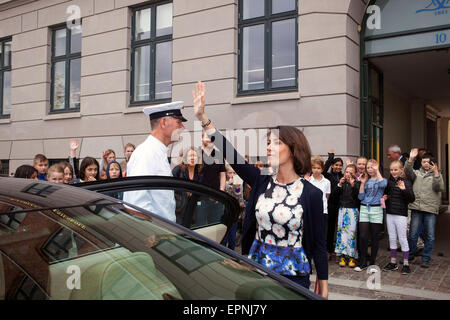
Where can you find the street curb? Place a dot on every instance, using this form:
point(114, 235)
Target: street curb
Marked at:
point(427, 294)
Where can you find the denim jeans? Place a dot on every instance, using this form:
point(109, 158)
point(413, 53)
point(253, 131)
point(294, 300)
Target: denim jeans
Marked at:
point(428, 221)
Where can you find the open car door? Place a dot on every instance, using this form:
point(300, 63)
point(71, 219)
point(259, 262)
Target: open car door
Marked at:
point(207, 211)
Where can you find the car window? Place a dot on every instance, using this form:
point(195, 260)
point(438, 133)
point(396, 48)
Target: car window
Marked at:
point(107, 251)
point(20, 285)
point(192, 209)
point(194, 205)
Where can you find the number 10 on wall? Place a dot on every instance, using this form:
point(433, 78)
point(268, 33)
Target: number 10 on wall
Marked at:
point(441, 37)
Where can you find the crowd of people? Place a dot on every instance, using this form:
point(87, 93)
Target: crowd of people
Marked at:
point(71, 171)
point(297, 210)
point(355, 199)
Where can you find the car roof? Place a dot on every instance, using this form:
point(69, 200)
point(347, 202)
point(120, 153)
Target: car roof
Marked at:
point(46, 194)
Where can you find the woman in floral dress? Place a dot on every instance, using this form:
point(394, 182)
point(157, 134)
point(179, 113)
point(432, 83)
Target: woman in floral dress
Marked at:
point(284, 229)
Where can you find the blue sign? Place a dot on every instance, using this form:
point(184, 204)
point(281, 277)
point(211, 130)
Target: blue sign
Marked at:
point(436, 5)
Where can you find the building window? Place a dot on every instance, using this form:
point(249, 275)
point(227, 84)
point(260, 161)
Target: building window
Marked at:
point(151, 54)
point(268, 54)
point(4, 168)
point(5, 78)
point(66, 69)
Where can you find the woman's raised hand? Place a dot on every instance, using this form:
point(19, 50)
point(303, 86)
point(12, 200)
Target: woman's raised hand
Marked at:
point(73, 147)
point(198, 96)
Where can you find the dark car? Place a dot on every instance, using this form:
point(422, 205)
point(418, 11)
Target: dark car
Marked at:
point(62, 242)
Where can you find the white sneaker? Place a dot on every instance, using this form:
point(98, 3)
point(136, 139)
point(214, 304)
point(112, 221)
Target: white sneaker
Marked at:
point(359, 268)
point(373, 269)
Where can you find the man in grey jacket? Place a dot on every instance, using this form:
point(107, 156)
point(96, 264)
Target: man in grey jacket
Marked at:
point(427, 186)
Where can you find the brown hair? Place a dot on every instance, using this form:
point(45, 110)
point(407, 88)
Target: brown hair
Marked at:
point(298, 145)
point(25, 171)
point(57, 168)
point(105, 156)
point(108, 152)
point(40, 158)
point(86, 163)
point(129, 145)
point(318, 161)
point(65, 164)
point(183, 164)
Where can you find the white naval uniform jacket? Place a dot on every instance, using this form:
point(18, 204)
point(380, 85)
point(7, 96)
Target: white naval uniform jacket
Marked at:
point(150, 158)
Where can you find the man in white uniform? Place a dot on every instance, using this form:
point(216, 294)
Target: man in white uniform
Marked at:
point(150, 158)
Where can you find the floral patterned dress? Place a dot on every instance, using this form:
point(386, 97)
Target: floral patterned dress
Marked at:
point(278, 241)
point(346, 232)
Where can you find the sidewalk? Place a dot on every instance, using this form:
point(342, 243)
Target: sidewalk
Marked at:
point(421, 284)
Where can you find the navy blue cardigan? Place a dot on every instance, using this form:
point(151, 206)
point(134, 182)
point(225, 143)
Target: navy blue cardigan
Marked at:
point(313, 240)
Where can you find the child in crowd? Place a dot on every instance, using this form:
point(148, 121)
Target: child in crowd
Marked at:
point(68, 172)
point(371, 214)
point(318, 180)
point(113, 170)
point(361, 163)
point(398, 195)
point(56, 173)
point(26, 171)
point(333, 176)
point(346, 237)
point(128, 151)
point(108, 156)
point(89, 170)
point(41, 164)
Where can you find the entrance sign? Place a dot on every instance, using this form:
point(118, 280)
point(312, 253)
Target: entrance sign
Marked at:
point(408, 43)
point(408, 26)
point(406, 16)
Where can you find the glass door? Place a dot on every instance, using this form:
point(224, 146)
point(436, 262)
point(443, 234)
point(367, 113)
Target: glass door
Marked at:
point(372, 113)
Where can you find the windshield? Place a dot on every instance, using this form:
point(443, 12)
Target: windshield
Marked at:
point(103, 250)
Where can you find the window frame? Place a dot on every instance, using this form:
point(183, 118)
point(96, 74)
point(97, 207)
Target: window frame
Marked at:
point(2, 70)
point(151, 42)
point(67, 58)
point(4, 168)
point(267, 21)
